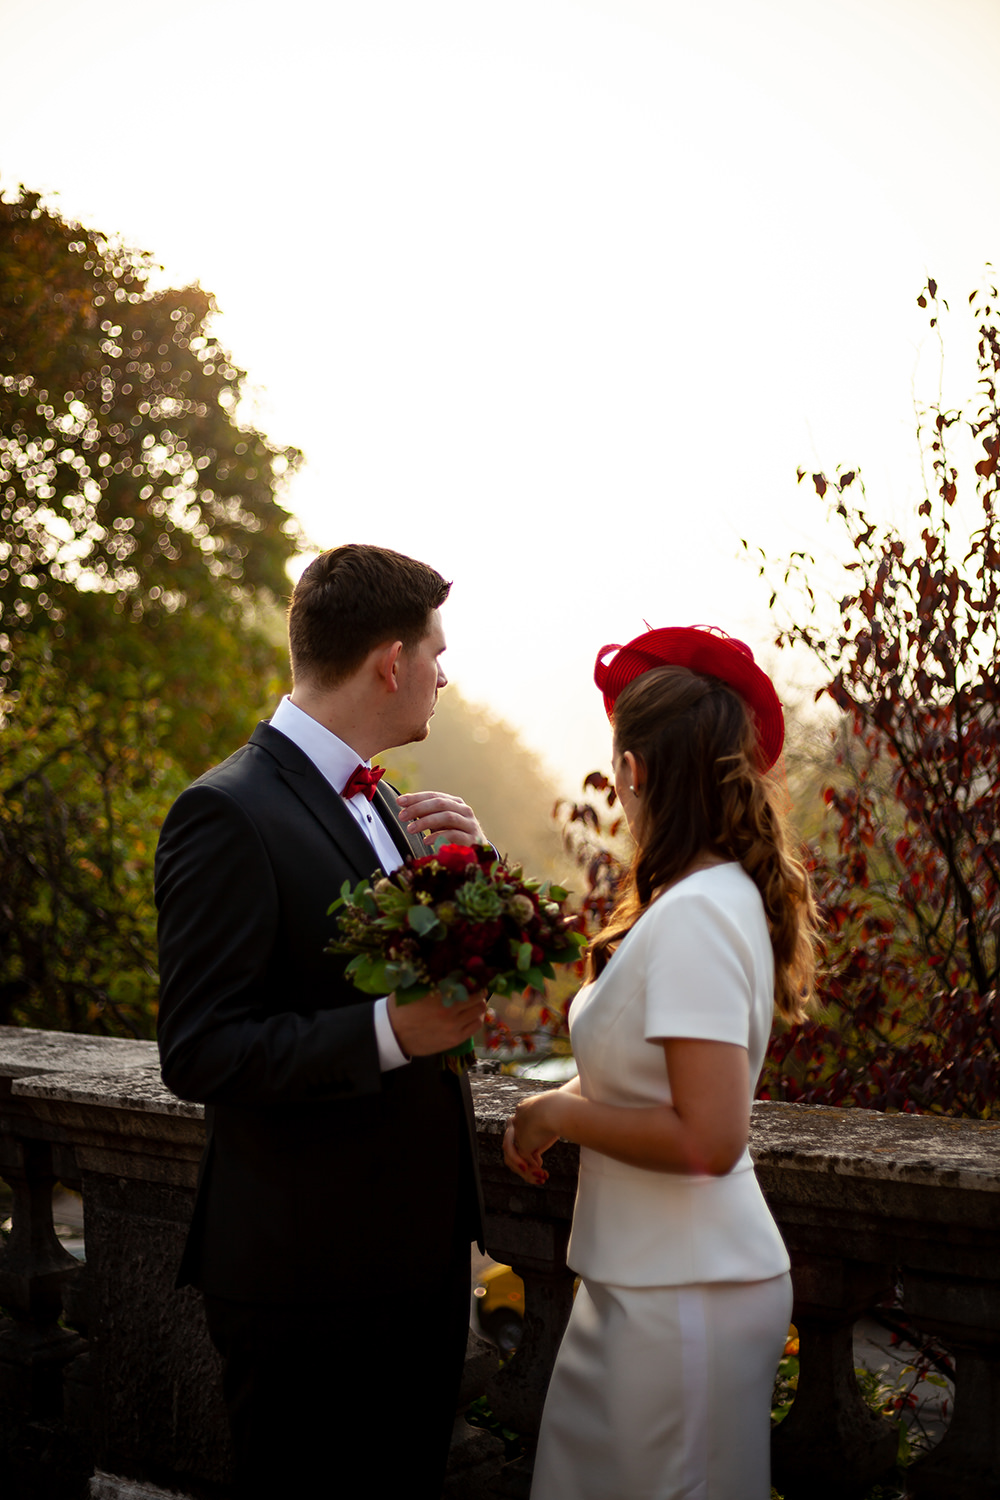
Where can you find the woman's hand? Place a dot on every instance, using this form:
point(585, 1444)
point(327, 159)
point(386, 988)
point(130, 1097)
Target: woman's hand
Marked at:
point(532, 1129)
point(702, 1133)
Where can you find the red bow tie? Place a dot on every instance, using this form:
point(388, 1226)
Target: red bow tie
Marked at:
point(363, 780)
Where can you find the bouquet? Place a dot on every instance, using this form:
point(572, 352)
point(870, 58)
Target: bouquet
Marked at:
point(456, 921)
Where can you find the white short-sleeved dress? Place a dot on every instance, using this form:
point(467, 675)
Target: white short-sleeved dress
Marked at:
point(662, 1386)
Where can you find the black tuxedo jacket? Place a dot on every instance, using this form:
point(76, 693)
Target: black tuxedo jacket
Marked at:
point(317, 1166)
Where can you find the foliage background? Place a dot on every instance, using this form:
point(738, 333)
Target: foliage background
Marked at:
point(143, 546)
point(906, 859)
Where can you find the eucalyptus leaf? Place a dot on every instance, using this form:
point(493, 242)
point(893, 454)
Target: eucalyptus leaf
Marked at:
point(453, 991)
point(423, 921)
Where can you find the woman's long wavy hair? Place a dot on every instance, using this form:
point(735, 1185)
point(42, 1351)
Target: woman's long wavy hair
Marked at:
point(703, 790)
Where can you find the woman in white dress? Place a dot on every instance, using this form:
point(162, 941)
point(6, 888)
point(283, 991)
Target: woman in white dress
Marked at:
point(662, 1386)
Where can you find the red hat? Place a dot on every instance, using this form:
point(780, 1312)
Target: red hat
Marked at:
point(709, 652)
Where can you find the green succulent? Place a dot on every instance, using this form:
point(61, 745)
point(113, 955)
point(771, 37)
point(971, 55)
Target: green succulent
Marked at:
point(478, 901)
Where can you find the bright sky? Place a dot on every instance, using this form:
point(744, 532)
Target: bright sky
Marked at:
point(554, 294)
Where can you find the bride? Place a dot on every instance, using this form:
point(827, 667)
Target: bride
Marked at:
point(662, 1386)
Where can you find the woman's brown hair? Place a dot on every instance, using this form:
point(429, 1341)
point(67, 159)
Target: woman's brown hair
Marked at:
point(703, 790)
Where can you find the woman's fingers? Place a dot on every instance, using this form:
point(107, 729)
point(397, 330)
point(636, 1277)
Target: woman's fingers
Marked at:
point(528, 1167)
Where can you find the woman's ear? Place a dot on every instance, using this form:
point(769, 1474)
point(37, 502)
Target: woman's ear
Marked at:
point(636, 768)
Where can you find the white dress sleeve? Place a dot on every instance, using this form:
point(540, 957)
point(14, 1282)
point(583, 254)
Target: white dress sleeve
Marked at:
point(700, 978)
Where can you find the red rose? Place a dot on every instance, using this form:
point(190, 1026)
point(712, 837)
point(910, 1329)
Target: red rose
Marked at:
point(456, 857)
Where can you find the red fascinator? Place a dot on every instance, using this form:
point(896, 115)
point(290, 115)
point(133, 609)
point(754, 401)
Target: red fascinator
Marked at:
point(709, 652)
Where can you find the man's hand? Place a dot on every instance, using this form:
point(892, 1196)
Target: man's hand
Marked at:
point(439, 818)
point(426, 1026)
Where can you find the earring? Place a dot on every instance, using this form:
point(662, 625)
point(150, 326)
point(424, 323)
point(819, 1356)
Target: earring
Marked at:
point(633, 790)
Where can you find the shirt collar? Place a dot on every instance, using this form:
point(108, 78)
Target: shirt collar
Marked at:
point(329, 755)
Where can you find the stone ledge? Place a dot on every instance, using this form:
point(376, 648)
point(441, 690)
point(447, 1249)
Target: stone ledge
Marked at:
point(137, 1088)
point(111, 1487)
point(24, 1051)
point(920, 1150)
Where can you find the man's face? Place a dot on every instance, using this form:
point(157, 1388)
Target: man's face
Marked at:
point(420, 678)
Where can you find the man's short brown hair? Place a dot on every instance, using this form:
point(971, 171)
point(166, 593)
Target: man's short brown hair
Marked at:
point(352, 599)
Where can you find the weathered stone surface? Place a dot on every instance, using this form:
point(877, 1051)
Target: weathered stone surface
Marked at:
point(25, 1050)
point(862, 1143)
point(892, 1189)
point(114, 1487)
point(160, 1414)
point(132, 1085)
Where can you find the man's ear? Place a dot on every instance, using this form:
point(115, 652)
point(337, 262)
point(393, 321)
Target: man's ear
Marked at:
point(385, 660)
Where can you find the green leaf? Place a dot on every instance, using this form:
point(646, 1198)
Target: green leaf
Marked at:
point(452, 991)
point(344, 899)
point(423, 921)
point(371, 975)
point(407, 993)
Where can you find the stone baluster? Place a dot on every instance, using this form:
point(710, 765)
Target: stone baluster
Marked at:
point(964, 1314)
point(34, 1271)
point(831, 1444)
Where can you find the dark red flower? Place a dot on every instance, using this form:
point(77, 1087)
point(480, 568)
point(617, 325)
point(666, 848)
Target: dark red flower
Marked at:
point(456, 857)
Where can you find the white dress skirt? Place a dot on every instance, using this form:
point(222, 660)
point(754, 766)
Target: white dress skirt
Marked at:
point(662, 1386)
point(664, 1393)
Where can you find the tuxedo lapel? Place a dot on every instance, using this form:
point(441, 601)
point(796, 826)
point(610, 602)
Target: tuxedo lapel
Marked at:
point(386, 804)
point(318, 797)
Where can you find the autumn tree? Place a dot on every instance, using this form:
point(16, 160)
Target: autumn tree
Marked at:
point(142, 551)
point(130, 494)
point(907, 865)
point(910, 889)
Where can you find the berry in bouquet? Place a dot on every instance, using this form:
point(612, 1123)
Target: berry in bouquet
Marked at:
point(456, 921)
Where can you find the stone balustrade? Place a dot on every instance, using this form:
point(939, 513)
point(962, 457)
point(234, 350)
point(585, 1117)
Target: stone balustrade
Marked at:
point(109, 1388)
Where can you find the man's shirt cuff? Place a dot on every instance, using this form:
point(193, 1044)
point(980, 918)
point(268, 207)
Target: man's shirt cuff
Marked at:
point(390, 1053)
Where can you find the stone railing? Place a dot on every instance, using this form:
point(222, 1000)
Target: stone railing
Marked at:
point(109, 1387)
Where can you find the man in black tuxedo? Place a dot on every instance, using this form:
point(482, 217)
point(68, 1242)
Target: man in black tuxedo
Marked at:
point(338, 1193)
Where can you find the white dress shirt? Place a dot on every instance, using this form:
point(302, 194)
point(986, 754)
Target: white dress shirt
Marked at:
point(335, 761)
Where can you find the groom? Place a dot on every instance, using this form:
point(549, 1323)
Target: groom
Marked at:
point(338, 1191)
